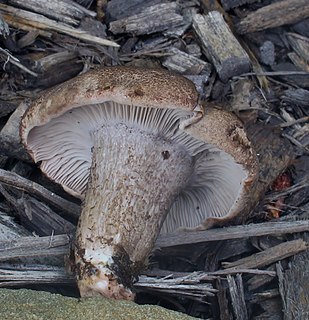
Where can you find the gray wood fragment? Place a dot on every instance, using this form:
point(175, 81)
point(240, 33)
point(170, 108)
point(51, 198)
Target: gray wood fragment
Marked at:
point(269, 256)
point(9, 137)
point(294, 288)
point(182, 62)
point(300, 45)
point(234, 232)
point(237, 296)
point(119, 9)
point(274, 15)
point(18, 182)
point(220, 45)
point(296, 96)
point(4, 28)
point(9, 229)
point(228, 4)
point(267, 53)
point(28, 247)
point(153, 19)
point(65, 11)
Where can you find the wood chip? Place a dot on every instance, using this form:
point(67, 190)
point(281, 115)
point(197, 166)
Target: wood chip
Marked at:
point(237, 296)
point(235, 232)
point(153, 19)
point(228, 4)
point(269, 256)
point(294, 287)
point(23, 19)
point(18, 182)
point(183, 62)
point(27, 247)
point(274, 15)
point(220, 45)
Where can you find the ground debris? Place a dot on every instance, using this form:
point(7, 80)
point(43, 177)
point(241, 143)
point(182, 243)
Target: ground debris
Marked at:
point(246, 56)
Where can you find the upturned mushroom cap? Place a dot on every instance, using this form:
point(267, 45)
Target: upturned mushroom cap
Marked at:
point(226, 176)
point(124, 85)
point(65, 153)
point(130, 142)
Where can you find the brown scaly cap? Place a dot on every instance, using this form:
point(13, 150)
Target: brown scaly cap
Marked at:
point(225, 131)
point(132, 86)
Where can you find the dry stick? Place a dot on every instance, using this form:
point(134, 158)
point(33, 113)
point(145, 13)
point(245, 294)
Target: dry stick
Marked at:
point(237, 296)
point(35, 189)
point(235, 232)
point(274, 15)
point(25, 18)
point(294, 286)
point(27, 247)
point(10, 58)
point(269, 256)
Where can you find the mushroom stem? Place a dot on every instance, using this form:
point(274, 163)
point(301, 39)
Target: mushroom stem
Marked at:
point(128, 197)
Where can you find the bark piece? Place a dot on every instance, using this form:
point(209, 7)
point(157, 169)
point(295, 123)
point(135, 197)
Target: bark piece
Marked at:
point(9, 136)
point(119, 9)
point(9, 229)
point(64, 11)
point(228, 4)
point(235, 232)
point(296, 96)
point(37, 190)
point(269, 256)
point(274, 15)
point(38, 217)
point(182, 62)
point(294, 287)
point(28, 247)
point(40, 274)
point(153, 19)
point(300, 45)
point(220, 45)
point(223, 301)
point(26, 20)
point(237, 296)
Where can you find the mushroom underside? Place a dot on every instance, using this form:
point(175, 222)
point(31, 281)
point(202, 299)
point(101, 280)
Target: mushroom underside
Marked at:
point(64, 147)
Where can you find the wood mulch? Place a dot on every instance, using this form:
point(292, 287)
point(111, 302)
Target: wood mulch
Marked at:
point(247, 56)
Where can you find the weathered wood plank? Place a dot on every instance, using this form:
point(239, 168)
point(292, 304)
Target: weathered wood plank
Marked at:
point(294, 287)
point(22, 19)
point(220, 45)
point(64, 11)
point(228, 4)
point(26, 247)
point(269, 256)
point(183, 62)
point(35, 189)
point(234, 232)
point(274, 15)
point(153, 19)
point(296, 96)
point(238, 297)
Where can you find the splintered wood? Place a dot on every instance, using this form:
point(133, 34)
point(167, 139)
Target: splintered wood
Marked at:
point(294, 287)
point(29, 21)
point(249, 57)
point(155, 19)
point(274, 15)
point(269, 256)
point(220, 45)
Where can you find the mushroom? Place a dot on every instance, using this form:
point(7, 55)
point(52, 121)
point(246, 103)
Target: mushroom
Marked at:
point(132, 145)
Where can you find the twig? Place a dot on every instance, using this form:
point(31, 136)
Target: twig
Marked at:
point(15, 61)
point(292, 122)
point(18, 182)
point(235, 232)
point(276, 73)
